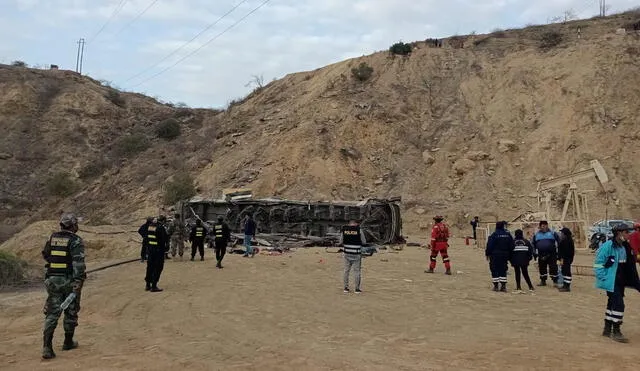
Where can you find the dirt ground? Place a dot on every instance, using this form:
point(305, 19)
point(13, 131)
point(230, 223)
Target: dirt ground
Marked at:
point(289, 313)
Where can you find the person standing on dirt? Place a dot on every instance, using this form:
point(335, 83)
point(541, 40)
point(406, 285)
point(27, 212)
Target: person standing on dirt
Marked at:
point(521, 255)
point(156, 242)
point(439, 244)
point(615, 269)
point(221, 235)
point(474, 224)
point(498, 252)
point(142, 231)
point(249, 228)
point(566, 252)
point(66, 273)
point(177, 235)
point(196, 237)
point(352, 239)
point(545, 249)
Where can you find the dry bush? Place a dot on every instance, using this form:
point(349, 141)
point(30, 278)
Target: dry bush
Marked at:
point(168, 129)
point(550, 39)
point(180, 188)
point(363, 72)
point(131, 145)
point(61, 184)
point(12, 269)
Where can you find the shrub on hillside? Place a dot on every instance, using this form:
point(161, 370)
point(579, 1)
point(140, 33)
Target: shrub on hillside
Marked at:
point(131, 145)
point(400, 48)
point(168, 129)
point(550, 39)
point(12, 269)
point(18, 64)
point(61, 184)
point(363, 72)
point(114, 96)
point(93, 169)
point(180, 188)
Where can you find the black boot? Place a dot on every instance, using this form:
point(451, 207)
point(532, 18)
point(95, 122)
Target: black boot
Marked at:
point(155, 288)
point(47, 347)
point(69, 343)
point(503, 287)
point(616, 335)
point(495, 286)
point(607, 328)
point(148, 287)
point(566, 287)
point(543, 282)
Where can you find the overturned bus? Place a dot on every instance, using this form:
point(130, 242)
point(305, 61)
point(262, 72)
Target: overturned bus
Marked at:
point(380, 218)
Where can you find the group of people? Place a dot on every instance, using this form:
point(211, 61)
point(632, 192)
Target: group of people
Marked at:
point(159, 238)
point(546, 246)
point(614, 265)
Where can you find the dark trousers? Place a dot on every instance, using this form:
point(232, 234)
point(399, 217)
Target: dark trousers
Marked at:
point(524, 269)
point(221, 249)
point(566, 271)
point(615, 305)
point(155, 265)
point(199, 245)
point(474, 233)
point(498, 267)
point(548, 260)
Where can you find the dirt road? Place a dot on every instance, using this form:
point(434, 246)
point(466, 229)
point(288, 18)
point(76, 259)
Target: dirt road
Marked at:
point(289, 313)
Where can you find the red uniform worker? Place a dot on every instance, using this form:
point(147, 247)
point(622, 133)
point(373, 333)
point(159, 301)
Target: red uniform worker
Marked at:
point(439, 243)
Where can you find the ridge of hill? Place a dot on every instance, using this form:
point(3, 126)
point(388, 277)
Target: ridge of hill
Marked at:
point(468, 128)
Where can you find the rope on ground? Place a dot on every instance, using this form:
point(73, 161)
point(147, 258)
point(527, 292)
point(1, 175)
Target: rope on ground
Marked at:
point(113, 265)
point(116, 232)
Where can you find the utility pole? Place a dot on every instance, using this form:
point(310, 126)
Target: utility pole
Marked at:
point(80, 55)
point(603, 8)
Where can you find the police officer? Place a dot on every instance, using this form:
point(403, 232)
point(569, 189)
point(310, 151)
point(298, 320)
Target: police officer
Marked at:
point(498, 252)
point(142, 232)
point(545, 250)
point(156, 245)
point(352, 240)
point(196, 237)
point(221, 235)
point(64, 254)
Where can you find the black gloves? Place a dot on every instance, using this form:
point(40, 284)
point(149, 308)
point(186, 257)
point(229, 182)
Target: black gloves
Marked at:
point(610, 260)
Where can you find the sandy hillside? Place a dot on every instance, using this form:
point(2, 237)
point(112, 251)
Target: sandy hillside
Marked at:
point(289, 313)
point(459, 131)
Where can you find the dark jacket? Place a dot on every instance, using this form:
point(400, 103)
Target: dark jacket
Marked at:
point(522, 252)
point(142, 231)
point(627, 273)
point(500, 244)
point(566, 248)
point(162, 239)
point(249, 227)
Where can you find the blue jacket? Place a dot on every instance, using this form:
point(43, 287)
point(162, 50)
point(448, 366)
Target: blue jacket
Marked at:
point(545, 242)
point(606, 276)
point(500, 244)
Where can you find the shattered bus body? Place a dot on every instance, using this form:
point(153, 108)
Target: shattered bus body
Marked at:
point(380, 218)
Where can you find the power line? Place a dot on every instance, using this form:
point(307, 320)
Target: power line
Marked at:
point(115, 12)
point(186, 43)
point(205, 44)
point(137, 17)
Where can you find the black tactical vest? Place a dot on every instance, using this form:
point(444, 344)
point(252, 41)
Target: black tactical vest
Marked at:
point(218, 231)
point(59, 259)
point(152, 236)
point(351, 239)
point(199, 233)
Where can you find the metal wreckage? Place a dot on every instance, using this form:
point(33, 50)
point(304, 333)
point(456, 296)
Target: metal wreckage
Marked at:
point(283, 224)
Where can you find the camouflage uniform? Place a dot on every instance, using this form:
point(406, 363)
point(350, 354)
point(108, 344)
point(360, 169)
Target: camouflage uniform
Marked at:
point(64, 253)
point(178, 235)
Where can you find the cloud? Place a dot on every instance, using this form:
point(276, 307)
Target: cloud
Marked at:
point(282, 37)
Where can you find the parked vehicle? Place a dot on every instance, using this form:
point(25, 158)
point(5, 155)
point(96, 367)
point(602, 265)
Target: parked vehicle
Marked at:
point(600, 231)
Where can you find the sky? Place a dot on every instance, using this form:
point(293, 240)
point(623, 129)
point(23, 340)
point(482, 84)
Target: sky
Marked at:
point(240, 39)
